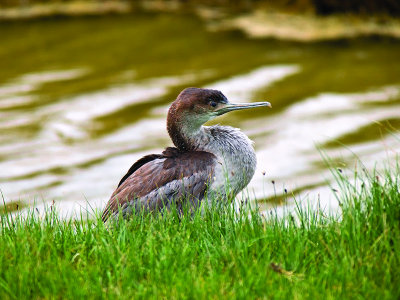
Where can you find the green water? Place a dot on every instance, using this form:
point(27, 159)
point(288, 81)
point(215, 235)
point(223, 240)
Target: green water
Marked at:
point(82, 98)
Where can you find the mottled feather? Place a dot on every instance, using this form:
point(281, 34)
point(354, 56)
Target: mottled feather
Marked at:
point(156, 180)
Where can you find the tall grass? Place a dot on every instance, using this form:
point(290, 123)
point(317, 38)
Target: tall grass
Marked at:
point(219, 253)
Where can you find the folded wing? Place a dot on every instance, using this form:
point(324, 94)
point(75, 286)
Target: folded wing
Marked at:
point(158, 180)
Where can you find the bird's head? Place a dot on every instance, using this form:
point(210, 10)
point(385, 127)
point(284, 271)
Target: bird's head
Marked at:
point(194, 107)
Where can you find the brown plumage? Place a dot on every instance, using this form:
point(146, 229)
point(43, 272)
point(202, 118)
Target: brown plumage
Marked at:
point(154, 179)
point(198, 164)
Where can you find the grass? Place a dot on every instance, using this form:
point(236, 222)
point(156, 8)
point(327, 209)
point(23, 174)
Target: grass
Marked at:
point(220, 254)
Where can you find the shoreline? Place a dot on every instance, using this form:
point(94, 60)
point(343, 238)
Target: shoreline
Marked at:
point(310, 27)
point(257, 23)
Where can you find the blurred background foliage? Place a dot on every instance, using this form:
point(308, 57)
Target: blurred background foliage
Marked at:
point(320, 7)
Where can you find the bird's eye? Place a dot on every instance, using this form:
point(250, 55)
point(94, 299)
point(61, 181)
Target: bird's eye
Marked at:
point(213, 104)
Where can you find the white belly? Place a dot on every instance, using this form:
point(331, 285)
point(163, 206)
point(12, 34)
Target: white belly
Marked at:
point(236, 161)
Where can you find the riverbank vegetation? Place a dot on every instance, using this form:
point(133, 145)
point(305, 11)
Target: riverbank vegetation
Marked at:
point(217, 254)
point(322, 7)
point(299, 20)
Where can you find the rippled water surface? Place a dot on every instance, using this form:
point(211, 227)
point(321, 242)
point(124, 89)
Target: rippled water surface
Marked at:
point(81, 99)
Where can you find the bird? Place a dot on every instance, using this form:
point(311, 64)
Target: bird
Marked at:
point(203, 161)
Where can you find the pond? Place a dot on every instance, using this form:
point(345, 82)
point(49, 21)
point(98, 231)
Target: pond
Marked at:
point(81, 99)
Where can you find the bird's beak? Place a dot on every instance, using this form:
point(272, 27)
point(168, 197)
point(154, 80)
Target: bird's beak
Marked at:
point(231, 107)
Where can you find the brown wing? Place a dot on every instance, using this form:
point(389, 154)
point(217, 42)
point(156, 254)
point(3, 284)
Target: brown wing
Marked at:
point(154, 181)
point(138, 164)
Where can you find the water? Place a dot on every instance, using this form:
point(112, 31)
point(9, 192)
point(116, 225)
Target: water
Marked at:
point(81, 99)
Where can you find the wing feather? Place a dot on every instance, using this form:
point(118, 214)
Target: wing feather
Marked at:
point(144, 160)
point(156, 180)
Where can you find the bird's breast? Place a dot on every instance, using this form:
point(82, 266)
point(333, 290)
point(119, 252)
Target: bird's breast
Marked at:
point(236, 160)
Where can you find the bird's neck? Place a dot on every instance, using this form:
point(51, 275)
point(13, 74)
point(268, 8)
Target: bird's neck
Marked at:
point(187, 136)
point(233, 149)
point(185, 129)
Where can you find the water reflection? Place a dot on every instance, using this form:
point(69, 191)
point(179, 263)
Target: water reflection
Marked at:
point(291, 151)
point(69, 134)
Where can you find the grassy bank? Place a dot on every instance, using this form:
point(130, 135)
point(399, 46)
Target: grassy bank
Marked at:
point(218, 255)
